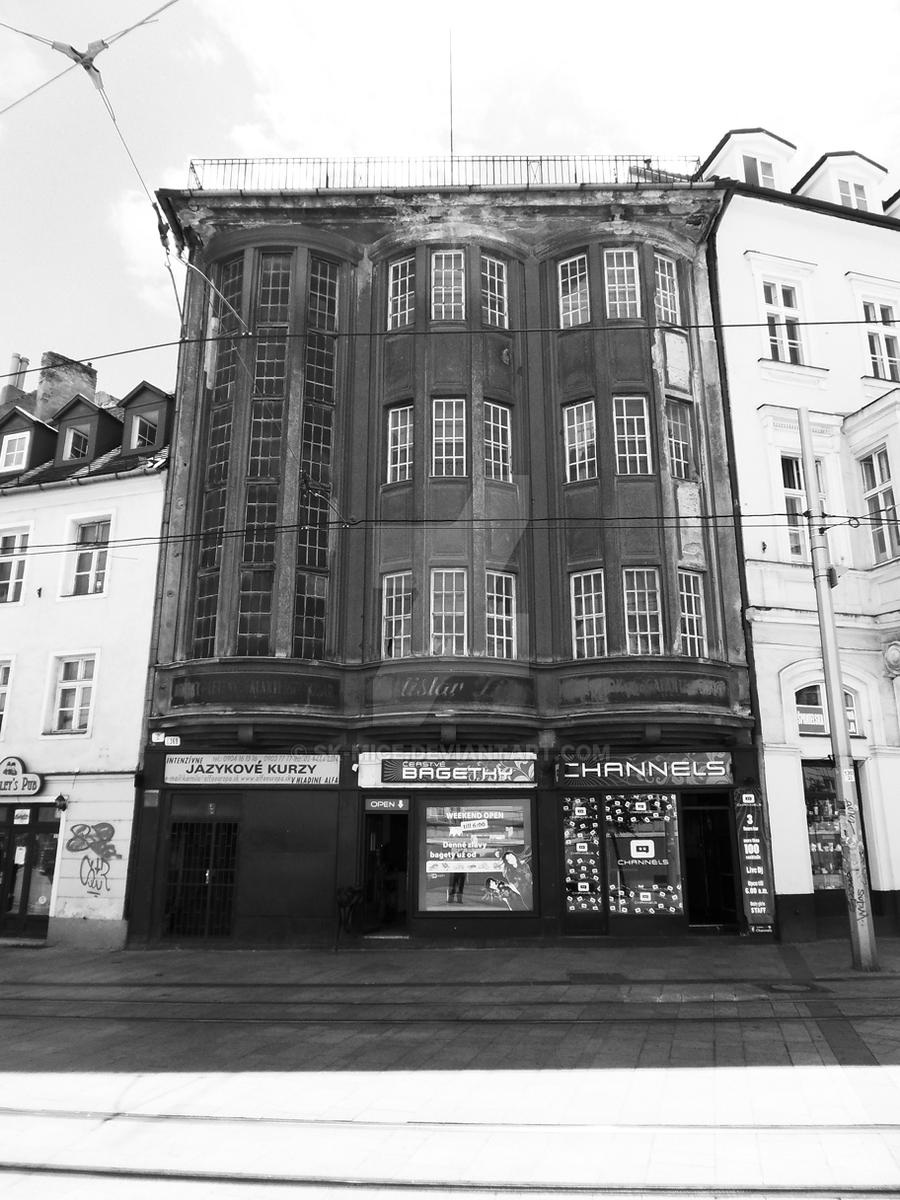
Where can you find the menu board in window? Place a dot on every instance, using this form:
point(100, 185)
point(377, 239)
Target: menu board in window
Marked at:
point(476, 857)
point(642, 860)
point(581, 835)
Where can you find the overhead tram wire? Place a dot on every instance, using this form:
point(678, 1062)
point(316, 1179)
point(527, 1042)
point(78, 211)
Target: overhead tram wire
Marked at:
point(86, 59)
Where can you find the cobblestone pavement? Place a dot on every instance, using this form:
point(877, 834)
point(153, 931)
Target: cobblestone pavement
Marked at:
point(566, 1069)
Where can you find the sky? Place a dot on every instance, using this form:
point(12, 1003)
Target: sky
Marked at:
point(82, 271)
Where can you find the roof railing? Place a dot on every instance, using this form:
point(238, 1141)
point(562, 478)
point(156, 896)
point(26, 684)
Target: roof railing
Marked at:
point(494, 171)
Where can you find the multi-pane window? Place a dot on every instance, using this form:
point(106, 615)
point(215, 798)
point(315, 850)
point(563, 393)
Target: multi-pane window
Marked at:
point(13, 545)
point(693, 614)
point(76, 442)
point(758, 172)
point(144, 431)
point(632, 435)
point(254, 612)
point(448, 612)
point(500, 614)
point(795, 503)
point(448, 441)
point(623, 298)
point(494, 306)
point(884, 346)
point(402, 293)
point(321, 319)
point(448, 285)
point(588, 615)
point(310, 601)
point(14, 451)
point(678, 432)
point(5, 669)
point(668, 302)
point(272, 313)
point(643, 615)
point(74, 694)
point(396, 615)
point(879, 496)
point(853, 195)
point(92, 541)
point(497, 446)
point(574, 300)
point(783, 321)
point(580, 430)
point(400, 443)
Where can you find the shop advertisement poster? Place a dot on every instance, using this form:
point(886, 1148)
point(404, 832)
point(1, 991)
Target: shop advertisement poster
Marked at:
point(641, 836)
point(266, 770)
point(581, 836)
point(476, 857)
point(756, 887)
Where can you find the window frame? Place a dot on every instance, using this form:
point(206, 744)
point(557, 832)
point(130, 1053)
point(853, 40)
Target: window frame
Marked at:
point(618, 294)
point(6, 672)
point(853, 194)
point(90, 558)
point(884, 348)
point(400, 453)
point(878, 497)
point(78, 684)
point(574, 303)
point(580, 447)
point(693, 639)
point(457, 635)
point(796, 503)
point(456, 287)
point(666, 291)
point(399, 616)
point(626, 436)
point(150, 416)
point(82, 430)
point(680, 449)
point(783, 322)
point(20, 438)
point(584, 640)
point(494, 291)
point(505, 631)
point(761, 168)
point(459, 455)
point(17, 557)
point(851, 710)
point(634, 635)
point(401, 310)
point(498, 448)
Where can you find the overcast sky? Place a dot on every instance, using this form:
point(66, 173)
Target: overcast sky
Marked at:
point(82, 268)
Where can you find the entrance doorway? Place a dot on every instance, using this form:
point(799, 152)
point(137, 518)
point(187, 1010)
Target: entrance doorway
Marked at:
point(707, 841)
point(200, 881)
point(386, 871)
point(28, 842)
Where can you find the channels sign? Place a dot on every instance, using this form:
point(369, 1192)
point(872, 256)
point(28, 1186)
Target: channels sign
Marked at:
point(16, 781)
point(265, 770)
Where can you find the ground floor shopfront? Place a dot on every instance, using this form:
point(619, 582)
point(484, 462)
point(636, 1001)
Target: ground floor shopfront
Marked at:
point(259, 848)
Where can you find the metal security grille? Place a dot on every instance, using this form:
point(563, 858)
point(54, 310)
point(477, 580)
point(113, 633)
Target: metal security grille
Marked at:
point(201, 879)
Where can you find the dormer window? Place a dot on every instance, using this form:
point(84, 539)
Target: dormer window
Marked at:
point(853, 195)
point(14, 451)
point(77, 441)
point(144, 430)
point(758, 172)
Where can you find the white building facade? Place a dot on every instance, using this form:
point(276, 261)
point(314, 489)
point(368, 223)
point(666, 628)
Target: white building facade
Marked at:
point(807, 271)
point(81, 501)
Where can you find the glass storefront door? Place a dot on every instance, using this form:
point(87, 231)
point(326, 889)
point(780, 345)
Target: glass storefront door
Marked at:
point(28, 844)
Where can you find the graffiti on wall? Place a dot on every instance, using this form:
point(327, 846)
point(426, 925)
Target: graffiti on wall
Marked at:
point(96, 842)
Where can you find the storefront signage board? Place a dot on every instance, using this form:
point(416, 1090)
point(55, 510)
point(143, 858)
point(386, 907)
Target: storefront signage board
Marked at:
point(711, 769)
point(248, 770)
point(248, 687)
point(458, 772)
point(428, 687)
point(16, 781)
point(756, 886)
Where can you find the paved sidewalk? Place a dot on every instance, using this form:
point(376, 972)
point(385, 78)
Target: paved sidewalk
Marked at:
point(573, 1069)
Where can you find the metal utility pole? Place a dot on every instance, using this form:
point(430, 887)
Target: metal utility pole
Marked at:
point(853, 867)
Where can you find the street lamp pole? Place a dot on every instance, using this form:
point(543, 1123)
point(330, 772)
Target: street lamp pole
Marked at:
point(853, 866)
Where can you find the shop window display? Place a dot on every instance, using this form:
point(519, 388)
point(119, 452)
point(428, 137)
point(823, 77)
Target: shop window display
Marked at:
point(641, 836)
point(823, 825)
point(476, 857)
